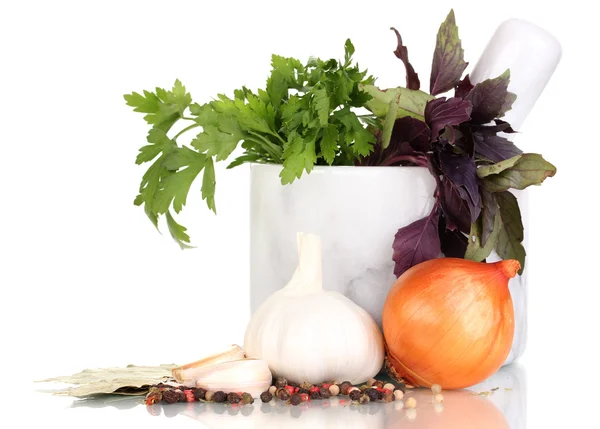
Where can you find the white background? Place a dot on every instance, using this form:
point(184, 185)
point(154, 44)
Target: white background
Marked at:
point(87, 282)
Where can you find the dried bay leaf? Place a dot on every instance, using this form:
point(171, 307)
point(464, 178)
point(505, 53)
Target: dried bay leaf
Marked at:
point(131, 380)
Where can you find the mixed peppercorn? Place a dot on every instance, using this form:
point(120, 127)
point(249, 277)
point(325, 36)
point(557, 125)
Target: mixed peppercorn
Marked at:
point(295, 394)
point(163, 393)
point(291, 393)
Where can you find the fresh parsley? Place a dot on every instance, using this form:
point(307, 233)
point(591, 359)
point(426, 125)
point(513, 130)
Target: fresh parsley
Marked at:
point(305, 116)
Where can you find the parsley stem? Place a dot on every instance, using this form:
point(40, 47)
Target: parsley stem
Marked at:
point(278, 137)
point(194, 125)
point(273, 150)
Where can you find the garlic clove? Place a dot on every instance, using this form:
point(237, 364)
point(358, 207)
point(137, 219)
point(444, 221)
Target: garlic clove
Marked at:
point(245, 375)
point(188, 373)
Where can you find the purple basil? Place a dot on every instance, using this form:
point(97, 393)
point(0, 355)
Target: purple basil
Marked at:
point(462, 172)
point(440, 113)
point(455, 208)
point(453, 243)
point(408, 143)
point(488, 215)
point(489, 98)
point(448, 58)
point(494, 148)
point(510, 99)
point(412, 78)
point(416, 243)
point(463, 87)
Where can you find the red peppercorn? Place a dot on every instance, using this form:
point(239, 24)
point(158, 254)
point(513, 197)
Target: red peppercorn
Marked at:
point(314, 389)
point(304, 397)
point(379, 389)
point(290, 389)
point(296, 389)
point(189, 395)
point(386, 391)
point(326, 385)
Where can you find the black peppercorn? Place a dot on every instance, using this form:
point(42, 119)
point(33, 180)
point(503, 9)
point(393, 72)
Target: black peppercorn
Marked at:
point(220, 397)
point(169, 396)
point(315, 394)
point(325, 394)
point(373, 394)
point(199, 394)
point(295, 399)
point(266, 397)
point(344, 387)
point(247, 398)
point(283, 394)
point(180, 395)
point(379, 384)
point(303, 390)
point(233, 398)
point(355, 395)
point(280, 382)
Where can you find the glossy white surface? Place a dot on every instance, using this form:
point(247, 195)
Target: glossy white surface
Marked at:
point(505, 407)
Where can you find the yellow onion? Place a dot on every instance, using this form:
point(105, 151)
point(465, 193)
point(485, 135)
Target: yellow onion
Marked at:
point(449, 321)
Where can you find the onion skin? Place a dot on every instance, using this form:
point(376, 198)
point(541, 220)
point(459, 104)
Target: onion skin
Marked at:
point(449, 321)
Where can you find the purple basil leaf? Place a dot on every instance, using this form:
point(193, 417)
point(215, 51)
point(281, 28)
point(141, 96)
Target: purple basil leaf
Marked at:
point(412, 78)
point(466, 142)
point(488, 215)
point(409, 140)
point(494, 148)
point(461, 171)
point(489, 98)
point(453, 243)
point(440, 113)
point(416, 243)
point(455, 208)
point(448, 58)
point(412, 131)
point(463, 87)
point(490, 130)
point(510, 99)
point(460, 180)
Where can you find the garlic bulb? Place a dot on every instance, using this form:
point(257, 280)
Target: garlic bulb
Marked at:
point(308, 334)
point(244, 375)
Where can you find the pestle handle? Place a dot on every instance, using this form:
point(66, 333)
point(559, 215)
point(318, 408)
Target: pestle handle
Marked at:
point(532, 55)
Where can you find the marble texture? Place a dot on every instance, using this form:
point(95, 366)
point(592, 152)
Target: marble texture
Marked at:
point(532, 54)
point(356, 211)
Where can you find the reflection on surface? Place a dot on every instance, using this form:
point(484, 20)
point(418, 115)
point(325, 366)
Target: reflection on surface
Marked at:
point(498, 403)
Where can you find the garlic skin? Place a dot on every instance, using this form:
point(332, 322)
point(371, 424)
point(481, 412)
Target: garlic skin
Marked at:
point(245, 375)
point(305, 333)
point(187, 373)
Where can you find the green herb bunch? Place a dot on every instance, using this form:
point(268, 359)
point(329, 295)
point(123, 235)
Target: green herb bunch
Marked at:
point(307, 116)
point(304, 117)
